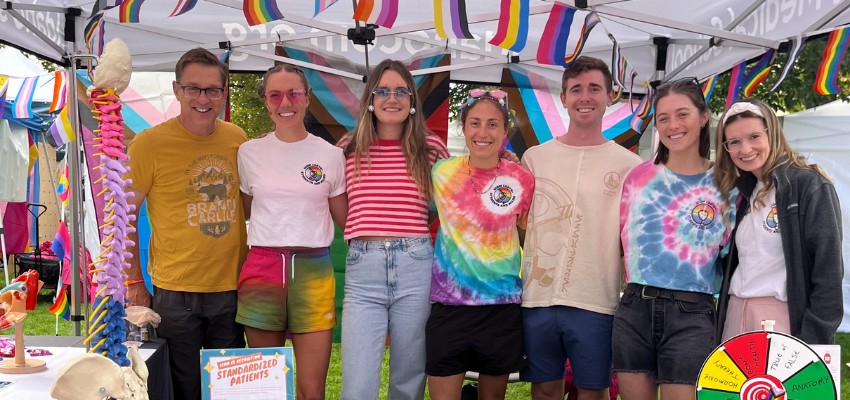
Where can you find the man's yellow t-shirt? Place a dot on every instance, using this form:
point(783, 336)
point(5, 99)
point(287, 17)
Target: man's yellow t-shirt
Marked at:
point(192, 190)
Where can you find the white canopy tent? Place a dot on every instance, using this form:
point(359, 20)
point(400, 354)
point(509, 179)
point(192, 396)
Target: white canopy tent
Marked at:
point(823, 135)
point(661, 39)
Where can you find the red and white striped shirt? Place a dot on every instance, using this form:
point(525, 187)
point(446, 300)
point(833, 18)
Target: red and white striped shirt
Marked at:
point(384, 200)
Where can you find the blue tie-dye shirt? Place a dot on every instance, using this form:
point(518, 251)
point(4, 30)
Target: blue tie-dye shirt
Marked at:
point(672, 230)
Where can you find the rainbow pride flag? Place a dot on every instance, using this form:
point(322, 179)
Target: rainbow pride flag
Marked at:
point(708, 87)
point(758, 73)
point(95, 28)
point(643, 112)
point(60, 92)
point(826, 80)
point(129, 11)
point(553, 44)
point(735, 81)
point(450, 19)
point(183, 6)
point(590, 21)
point(322, 5)
point(512, 32)
point(378, 12)
point(61, 307)
point(258, 12)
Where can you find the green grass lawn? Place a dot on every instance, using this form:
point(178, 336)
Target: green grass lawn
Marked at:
point(41, 322)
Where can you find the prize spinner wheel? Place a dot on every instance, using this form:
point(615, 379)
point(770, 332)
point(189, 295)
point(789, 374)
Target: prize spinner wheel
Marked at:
point(764, 366)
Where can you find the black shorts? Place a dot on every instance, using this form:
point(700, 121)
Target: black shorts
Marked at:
point(485, 339)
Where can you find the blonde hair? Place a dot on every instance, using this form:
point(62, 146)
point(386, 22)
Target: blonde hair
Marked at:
point(725, 171)
point(413, 137)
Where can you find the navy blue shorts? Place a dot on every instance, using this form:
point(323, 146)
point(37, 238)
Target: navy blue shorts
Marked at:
point(554, 334)
point(669, 337)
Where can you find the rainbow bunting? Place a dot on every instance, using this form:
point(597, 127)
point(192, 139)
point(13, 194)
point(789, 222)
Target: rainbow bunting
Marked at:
point(61, 307)
point(512, 31)
point(61, 129)
point(553, 44)
point(183, 6)
point(758, 73)
point(258, 12)
point(129, 11)
point(322, 5)
point(826, 81)
point(796, 46)
point(4, 86)
point(62, 191)
point(642, 112)
point(102, 5)
point(590, 21)
point(22, 106)
point(60, 91)
point(97, 25)
point(450, 19)
point(735, 83)
point(708, 87)
point(378, 12)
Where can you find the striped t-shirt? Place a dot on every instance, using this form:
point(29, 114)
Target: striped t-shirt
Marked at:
point(384, 200)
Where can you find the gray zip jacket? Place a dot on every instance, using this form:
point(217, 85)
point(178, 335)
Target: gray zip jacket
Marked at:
point(810, 228)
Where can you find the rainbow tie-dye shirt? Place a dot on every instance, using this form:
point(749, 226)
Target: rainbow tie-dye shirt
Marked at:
point(477, 255)
point(672, 230)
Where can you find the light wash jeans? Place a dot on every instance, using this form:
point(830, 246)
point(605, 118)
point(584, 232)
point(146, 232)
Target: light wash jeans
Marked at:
point(387, 287)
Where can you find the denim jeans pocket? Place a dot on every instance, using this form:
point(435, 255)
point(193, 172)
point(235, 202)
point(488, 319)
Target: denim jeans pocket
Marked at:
point(353, 257)
point(703, 308)
point(422, 250)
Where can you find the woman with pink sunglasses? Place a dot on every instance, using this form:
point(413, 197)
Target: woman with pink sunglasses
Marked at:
point(293, 190)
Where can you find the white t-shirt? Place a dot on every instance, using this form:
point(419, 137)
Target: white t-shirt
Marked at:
point(761, 261)
point(291, 184)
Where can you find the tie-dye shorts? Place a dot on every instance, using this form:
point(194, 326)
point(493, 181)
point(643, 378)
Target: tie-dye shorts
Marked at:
point(287, 290)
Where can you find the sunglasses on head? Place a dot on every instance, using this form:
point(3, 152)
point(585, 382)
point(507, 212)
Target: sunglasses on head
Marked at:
point(384, 92)
point(500, 96)
point(275, 97)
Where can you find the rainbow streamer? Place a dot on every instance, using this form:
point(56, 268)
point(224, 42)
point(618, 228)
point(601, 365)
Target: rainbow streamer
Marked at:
point(322, 5)
point(642, 112)
point(60, 91)
point(826, 81)
point(735, 83)
point(758, 73)
point(61, 128)
point(590, 21)
point(22, 106)
point(793, 55)
point(62, 190)
point(102, 5)
point(450, 19)
point(95, 24)
point(61, 307)
point(708, 87)
point(129, 11)
point(553, 44)
point(258, 12)
point(378, 12)
point(512, 32)
point(183, 6)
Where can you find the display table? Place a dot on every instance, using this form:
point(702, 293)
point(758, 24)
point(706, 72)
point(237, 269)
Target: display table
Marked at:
point(37, 386)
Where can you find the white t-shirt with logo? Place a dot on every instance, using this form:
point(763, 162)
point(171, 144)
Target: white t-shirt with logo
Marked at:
point(761, 261)
point(291, 184)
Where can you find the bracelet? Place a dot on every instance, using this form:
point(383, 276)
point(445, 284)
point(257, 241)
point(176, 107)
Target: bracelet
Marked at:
point(133, 282)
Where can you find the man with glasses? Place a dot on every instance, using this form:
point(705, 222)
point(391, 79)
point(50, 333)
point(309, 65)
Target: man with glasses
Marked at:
point(572, 267)
point(186, 170)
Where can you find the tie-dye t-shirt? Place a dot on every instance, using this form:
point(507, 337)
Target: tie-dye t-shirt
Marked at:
point(671, 228)
point(477, 257)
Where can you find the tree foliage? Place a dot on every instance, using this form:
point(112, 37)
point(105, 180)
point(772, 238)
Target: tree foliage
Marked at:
point(247, 108)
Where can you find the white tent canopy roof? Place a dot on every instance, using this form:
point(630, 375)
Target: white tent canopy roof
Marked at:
point(739, 29)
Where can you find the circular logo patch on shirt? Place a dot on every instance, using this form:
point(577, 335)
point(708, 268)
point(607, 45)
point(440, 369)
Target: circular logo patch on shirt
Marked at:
point(771, 222)
point(502, 195)
point(703, 214)
point(313, 174)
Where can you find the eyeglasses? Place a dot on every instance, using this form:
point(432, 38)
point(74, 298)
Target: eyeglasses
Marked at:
point(664, 119)
point(294, 96)
point(735, 144)
point(384, 92)
point(476, 94)
point(193, 92)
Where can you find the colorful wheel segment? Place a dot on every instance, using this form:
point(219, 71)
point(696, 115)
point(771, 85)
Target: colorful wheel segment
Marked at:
point(764, 366)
